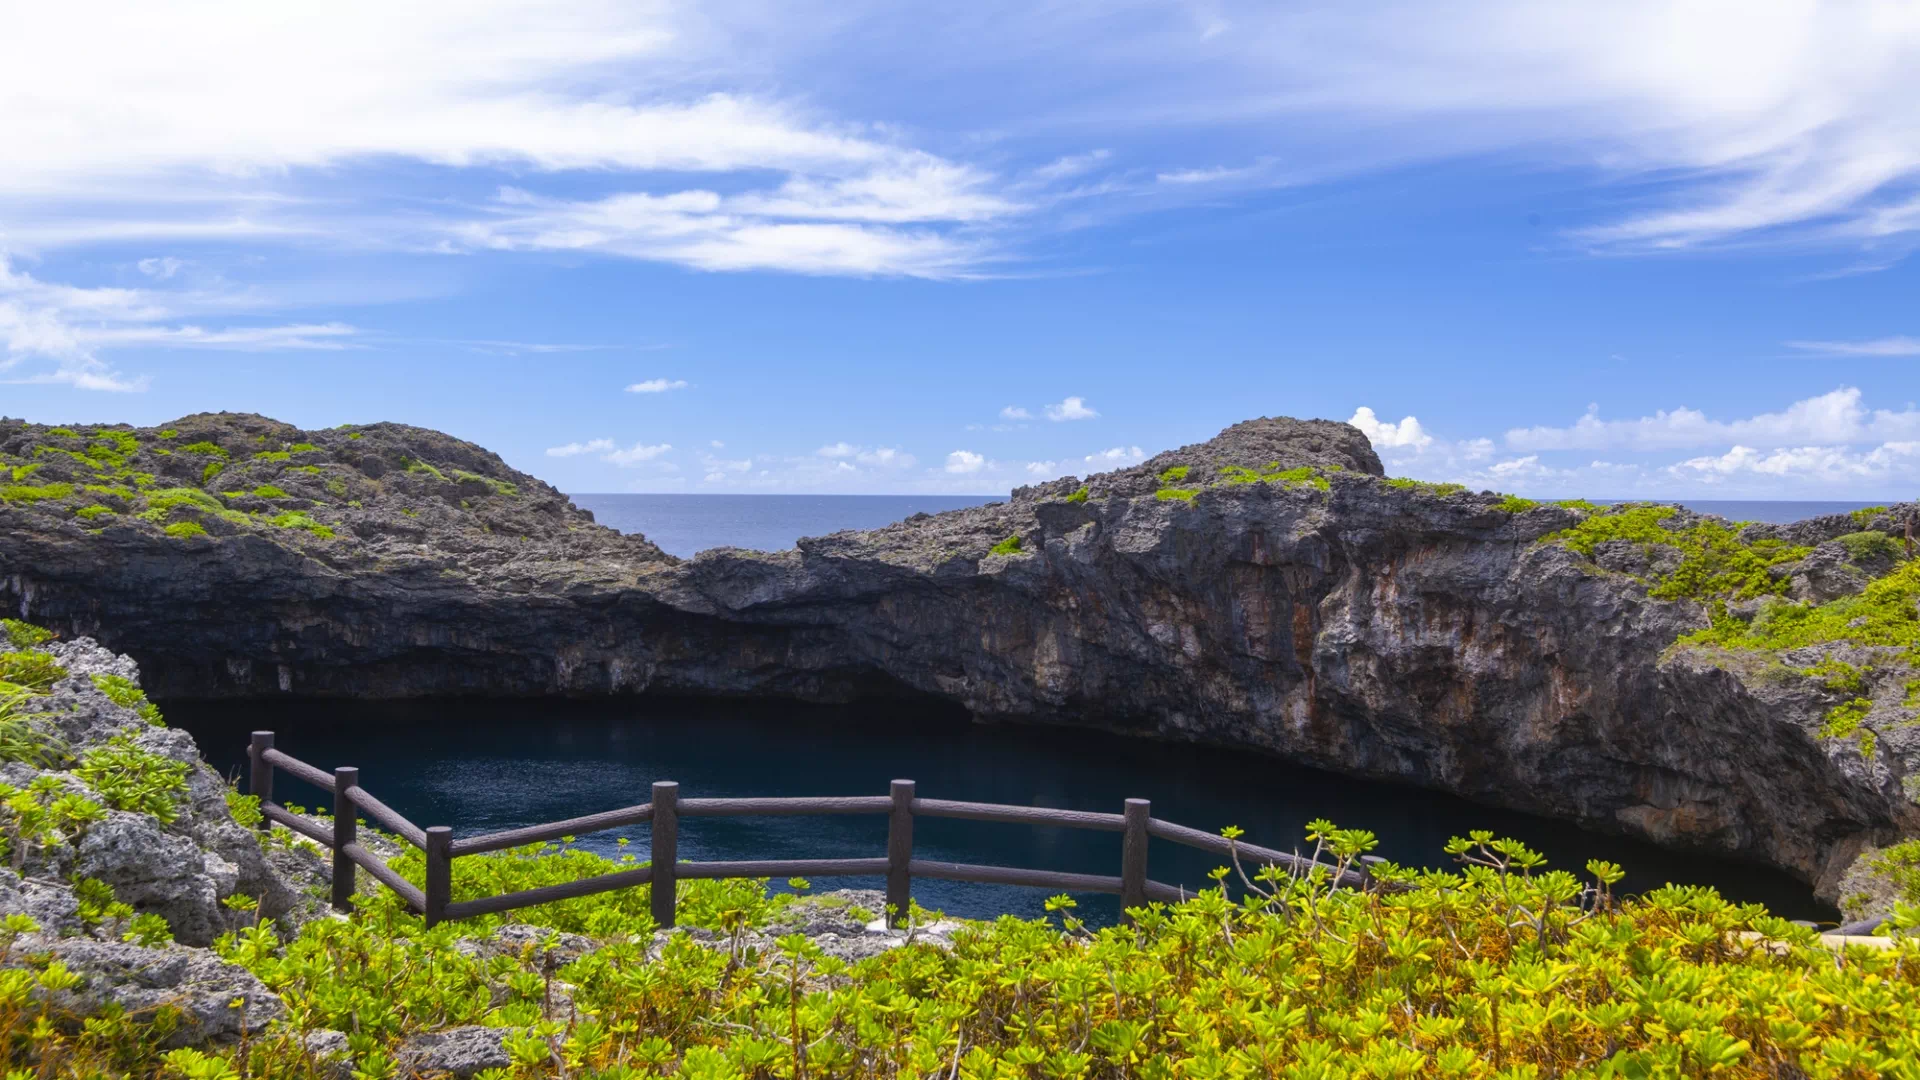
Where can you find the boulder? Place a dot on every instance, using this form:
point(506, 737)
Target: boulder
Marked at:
point(459, 1052)
point(155, 871)
point(217, 1000)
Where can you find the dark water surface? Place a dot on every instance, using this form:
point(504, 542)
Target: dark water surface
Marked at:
point(485, 765)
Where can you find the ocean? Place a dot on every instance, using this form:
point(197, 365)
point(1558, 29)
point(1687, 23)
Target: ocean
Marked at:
point(684, 525)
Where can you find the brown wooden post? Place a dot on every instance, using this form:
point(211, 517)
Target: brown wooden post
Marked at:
point(439, 873)
point(345, 831)
point(1133, 856)
point(260, 782)
point(900, 852)
point(666, 850)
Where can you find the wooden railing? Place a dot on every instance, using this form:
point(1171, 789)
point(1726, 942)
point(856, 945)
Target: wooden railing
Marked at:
point(900, 805)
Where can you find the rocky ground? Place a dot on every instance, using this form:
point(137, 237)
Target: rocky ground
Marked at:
point(1267, 589)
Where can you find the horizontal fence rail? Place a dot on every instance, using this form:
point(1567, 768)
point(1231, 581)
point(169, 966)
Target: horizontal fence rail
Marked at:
point(664, 811)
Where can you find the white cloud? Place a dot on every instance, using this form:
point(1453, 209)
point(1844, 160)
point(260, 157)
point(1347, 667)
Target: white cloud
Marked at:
point(1406, 433)
point(965, 461)
point(1822, 464)
point(1887, 346)
point(574, 449)
point(838, 450)
point(1116, 457)
point(884, 457)
point(1015, 412)
point(162, 268)
point(1073, 408)
point(717, 444)
point(637, 454)
point(657, 386)
point(1044, 468)
point(1832, 418)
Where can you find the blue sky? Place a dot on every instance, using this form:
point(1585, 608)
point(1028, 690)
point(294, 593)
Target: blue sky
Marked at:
point(1605, 250)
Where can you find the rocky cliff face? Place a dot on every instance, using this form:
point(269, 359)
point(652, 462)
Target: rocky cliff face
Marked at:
point(1267, 589)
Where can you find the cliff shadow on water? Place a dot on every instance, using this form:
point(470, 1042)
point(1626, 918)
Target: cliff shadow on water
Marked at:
point(485, 764)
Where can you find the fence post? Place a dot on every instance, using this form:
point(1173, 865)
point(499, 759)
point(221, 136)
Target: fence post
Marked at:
point(1133, 856)
point(260, 782)
point(439, 873)
point(900, 852)
point(666, 850)
point(345, 831)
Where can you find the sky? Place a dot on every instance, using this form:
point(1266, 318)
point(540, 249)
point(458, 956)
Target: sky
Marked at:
point(1616, 250)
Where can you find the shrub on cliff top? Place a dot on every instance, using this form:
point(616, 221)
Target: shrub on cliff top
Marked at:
point(126, 693)
point(36, 671)
point(1009, 546)
point(1886, 613)
point(1715, 564)
point(130, 778)
point(25, 635)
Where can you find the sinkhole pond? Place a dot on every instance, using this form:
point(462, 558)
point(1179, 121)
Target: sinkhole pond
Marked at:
point(484, 765)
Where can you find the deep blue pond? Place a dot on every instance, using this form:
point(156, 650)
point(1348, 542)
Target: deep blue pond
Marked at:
point(485, 765)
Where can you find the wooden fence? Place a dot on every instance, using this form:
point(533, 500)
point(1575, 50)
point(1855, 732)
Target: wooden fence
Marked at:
point(900, 806)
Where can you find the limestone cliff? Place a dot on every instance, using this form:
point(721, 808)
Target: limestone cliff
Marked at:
point(1267, 589)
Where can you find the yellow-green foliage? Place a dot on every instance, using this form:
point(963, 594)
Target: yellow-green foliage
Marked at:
point(1514, 504)
point(133, 779)
point(213, 469)
point(1428, 487)
point(118, 491)
point(272, 455)
point(1273, 474)
point(63, 433)
point(1182, 494)
point(302, 448)
point(24, 635)
point(1504, 971)
point(1866, 514)
point(21, 472)
point(204, 447)
point(1078, 496)
point(1009, 546)
point(181, 530)
point(425, 469)
point(1844, 719)
point(1837, 675)
point(1582, 505)
point(300, 519)
point(268, 491)
point(1886, 613)
point(169, 433)
point(33, 671)
point(1174, 474)
point(32, 493)
point(41, 815)
point(1714, 565)
point(500, 487)
point(337, 488)
point(88, 513)
point(122, 691)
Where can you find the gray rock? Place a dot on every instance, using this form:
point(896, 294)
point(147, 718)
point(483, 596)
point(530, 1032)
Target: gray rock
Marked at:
point(330, 1052)
point(1826, 574)
point(49, 903)
point(202, 986)
point(459, 1052)
point(154, 871)
point(545, 947)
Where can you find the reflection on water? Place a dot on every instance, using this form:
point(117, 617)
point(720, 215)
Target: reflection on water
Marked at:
point(495, 764)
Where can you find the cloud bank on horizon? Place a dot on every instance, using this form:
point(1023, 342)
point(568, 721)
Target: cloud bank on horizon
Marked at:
point(207, 184)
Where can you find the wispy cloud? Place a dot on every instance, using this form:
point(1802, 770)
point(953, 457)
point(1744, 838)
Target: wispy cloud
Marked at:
point(657, 386)
point(575, 449)
point(637, 454)
point(1887, 346)
point(1015, 412)
point(1835, 417)
point(965, 462)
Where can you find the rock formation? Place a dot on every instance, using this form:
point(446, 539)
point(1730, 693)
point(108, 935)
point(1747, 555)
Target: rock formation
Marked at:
point(1266, 589)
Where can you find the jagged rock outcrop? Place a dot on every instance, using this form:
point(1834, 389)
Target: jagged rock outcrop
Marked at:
point(1277, 594)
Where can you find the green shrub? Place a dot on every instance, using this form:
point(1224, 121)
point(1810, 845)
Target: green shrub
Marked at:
point(33, 493)
point(130, 778)
point(268, 491)
point(25, 635)
point(424, 469)
point(1866, 514)
point(500, 487)
point(169, 433)
point(302, 448)
point(1845, 718)
point(1837, 675)
point(1174, 475)
point(1425, 486)
point(354, 435)
point(337, 488)
point(34, 671)
point(21, 472)
point(1306, 475)
point(1865, 546)
point(1009, 546)
point(118, 491)
point(272, 455)
point(213, 469)
point(1514, 504)
point(1078, 496)
point(244, 808)
point(204, 447)
point(88, 513)
point(1886, 613)
point(300, 519)
point(125, 693)
point(1715, 563)
point(181, 530)
point(1182, 494)
point(63, 433)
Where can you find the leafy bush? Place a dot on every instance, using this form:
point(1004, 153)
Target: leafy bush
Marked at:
point(206, 448)
point(1273, 474)
point(41, 815)
point(33, 493)
point(268, 491)
point(213, 469)
point(300, 519)
point(25, 635)
point(89, 513)
point(36, 671)
point(1865, 546)
point(272, 455)
point(1715, 563)
point(1009, 546)
point(1078, 496)
point(1174, 474)
point(1866, 514)
point(500, 487)
point(182, 530)
point(1886, 613)
point(302, 448)
point(123, 692)
point(1514, 504)
point(1182, 494)
point(1424, 486)
point(424, 469)
point(130, 778)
